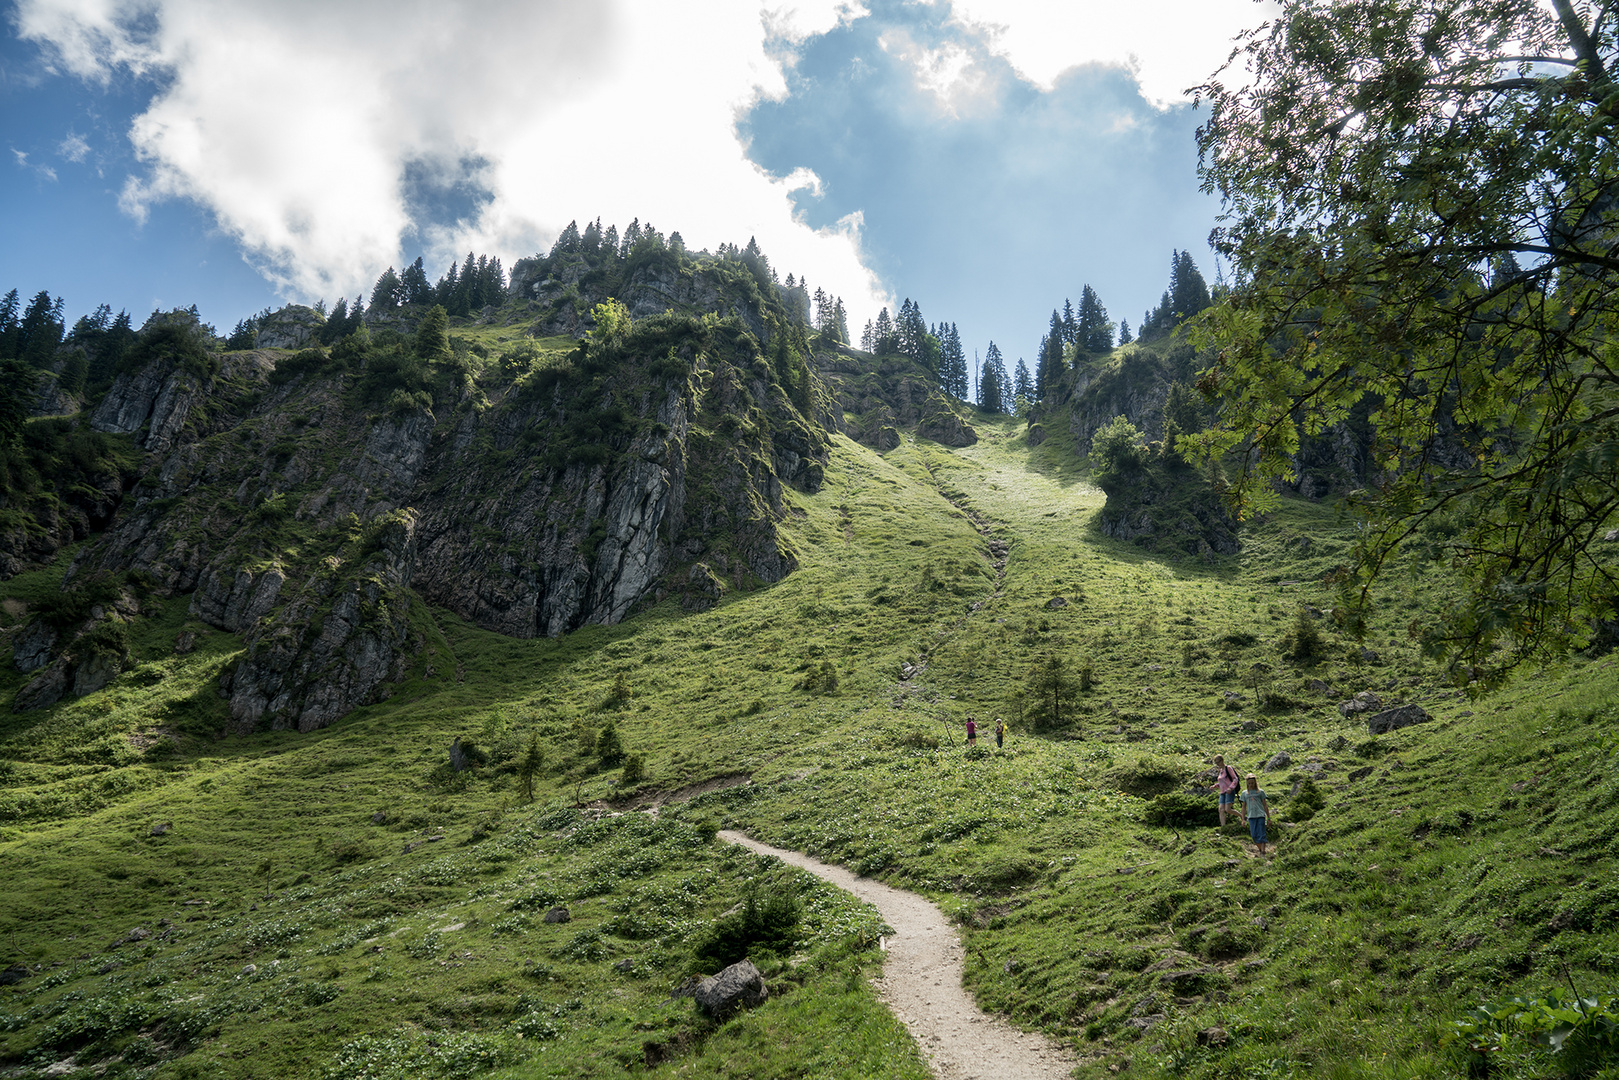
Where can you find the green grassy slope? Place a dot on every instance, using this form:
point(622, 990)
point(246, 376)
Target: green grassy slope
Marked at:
point(343, 904)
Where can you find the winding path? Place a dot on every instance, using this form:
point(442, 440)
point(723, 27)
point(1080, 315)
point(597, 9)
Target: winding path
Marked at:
point(921, 983)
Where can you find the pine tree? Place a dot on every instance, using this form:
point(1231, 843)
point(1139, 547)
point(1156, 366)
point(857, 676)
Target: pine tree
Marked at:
point(388, 293)
point(868, 337)
point(568, 241)
point(1022, 387)
point(414, 286)
point(19, 382)
point(1124, 332)
point(842, 320)
point(433, 335)
point(883, 333)
point(591, 242)
point(10, 327)
point(41, 330)
point(444, 292)
point(1070, 325)
point(1095, 333)
point(1189, 293)
point(992, 381)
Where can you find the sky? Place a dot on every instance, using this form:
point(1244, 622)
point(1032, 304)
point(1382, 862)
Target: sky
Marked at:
point(984, 158)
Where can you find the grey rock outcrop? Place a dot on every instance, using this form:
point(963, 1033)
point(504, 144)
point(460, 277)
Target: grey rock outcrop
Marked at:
point(889, 393)
point(44, 689)
point(34, 646)
point(739, 986)
point(1364, 701)
point(293, 327)
point(1393, 719)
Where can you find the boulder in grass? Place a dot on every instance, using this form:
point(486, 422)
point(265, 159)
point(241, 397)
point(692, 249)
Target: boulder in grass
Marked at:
point(1393, 719)
point(739, 986)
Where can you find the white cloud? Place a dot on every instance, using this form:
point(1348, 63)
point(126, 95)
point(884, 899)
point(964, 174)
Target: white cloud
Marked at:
point(1171, 45)
point(23, 163)
point(298, 124)
point(74, 148)
point(294, 123)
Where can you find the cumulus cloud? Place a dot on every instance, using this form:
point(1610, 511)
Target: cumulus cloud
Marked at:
point(329, 142)
point(987, 196)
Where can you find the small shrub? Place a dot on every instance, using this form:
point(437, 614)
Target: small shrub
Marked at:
point(634, 769)
point(1181, 808)
point(770, 922)
point(1148, 777)
point(819, 679)
point(1304, 642)
point(609, 747)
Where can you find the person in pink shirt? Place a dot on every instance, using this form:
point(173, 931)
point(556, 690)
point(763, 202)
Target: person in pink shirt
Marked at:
point(1227, 781)
point(972, 732)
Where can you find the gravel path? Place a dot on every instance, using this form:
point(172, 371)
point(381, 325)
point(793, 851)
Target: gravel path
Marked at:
point(921, 983)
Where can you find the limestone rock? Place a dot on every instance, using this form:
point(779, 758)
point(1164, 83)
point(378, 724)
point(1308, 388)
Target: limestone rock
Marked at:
point(1365, 701)
point(44, 689)
point(293, 327)
point(95, 672)
point(1281, 761)
point(557, 915)
point(34, 646)
point(739, 986)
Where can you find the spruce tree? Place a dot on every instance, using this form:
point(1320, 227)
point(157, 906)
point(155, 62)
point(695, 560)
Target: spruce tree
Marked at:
point(992, 382)
point(388, 293)
point(1022, 386)
point(433, 335)
point(10, 327)
point(41, 330)
point(413, 285)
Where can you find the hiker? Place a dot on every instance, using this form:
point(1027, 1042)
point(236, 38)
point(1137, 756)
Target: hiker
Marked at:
point(1258, 808)
point(1000, 732)
point(1227, 781)
point(972, 732)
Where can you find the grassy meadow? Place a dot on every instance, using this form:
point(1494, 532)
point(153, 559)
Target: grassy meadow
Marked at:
point(344, 904)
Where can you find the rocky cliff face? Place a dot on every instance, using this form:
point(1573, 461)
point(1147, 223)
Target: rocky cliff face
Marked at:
point(296, 514)
point(880, 395)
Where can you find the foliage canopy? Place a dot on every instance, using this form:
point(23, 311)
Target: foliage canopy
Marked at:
point(1420, 201)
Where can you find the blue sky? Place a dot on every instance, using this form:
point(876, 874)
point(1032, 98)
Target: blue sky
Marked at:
point(985, 159)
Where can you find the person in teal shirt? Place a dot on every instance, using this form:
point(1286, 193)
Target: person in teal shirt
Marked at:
point(1258, 807)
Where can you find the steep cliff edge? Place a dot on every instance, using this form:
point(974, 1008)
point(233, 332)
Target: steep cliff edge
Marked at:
point(312, 502)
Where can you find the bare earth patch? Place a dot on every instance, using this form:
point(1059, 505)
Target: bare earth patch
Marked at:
point(921, 983)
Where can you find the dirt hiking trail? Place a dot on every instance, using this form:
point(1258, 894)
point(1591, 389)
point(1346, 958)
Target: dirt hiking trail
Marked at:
point(921, 983)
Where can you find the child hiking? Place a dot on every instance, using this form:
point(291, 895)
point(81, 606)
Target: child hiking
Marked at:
point(1258, 808)
point(1227, 782)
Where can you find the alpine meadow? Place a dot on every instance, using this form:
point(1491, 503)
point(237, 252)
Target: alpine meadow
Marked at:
point(390, 679)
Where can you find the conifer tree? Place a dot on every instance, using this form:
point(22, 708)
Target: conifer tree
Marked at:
point(1124, 332)
point(1095, 333)
point(444, 291)
point(1022, 387)
point(882, 334)
point(10, 327)
point(388, 293)
point(41, 330)
point(1070, 324)
point(992, 382)
point(413, 285)
point(433, 335)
